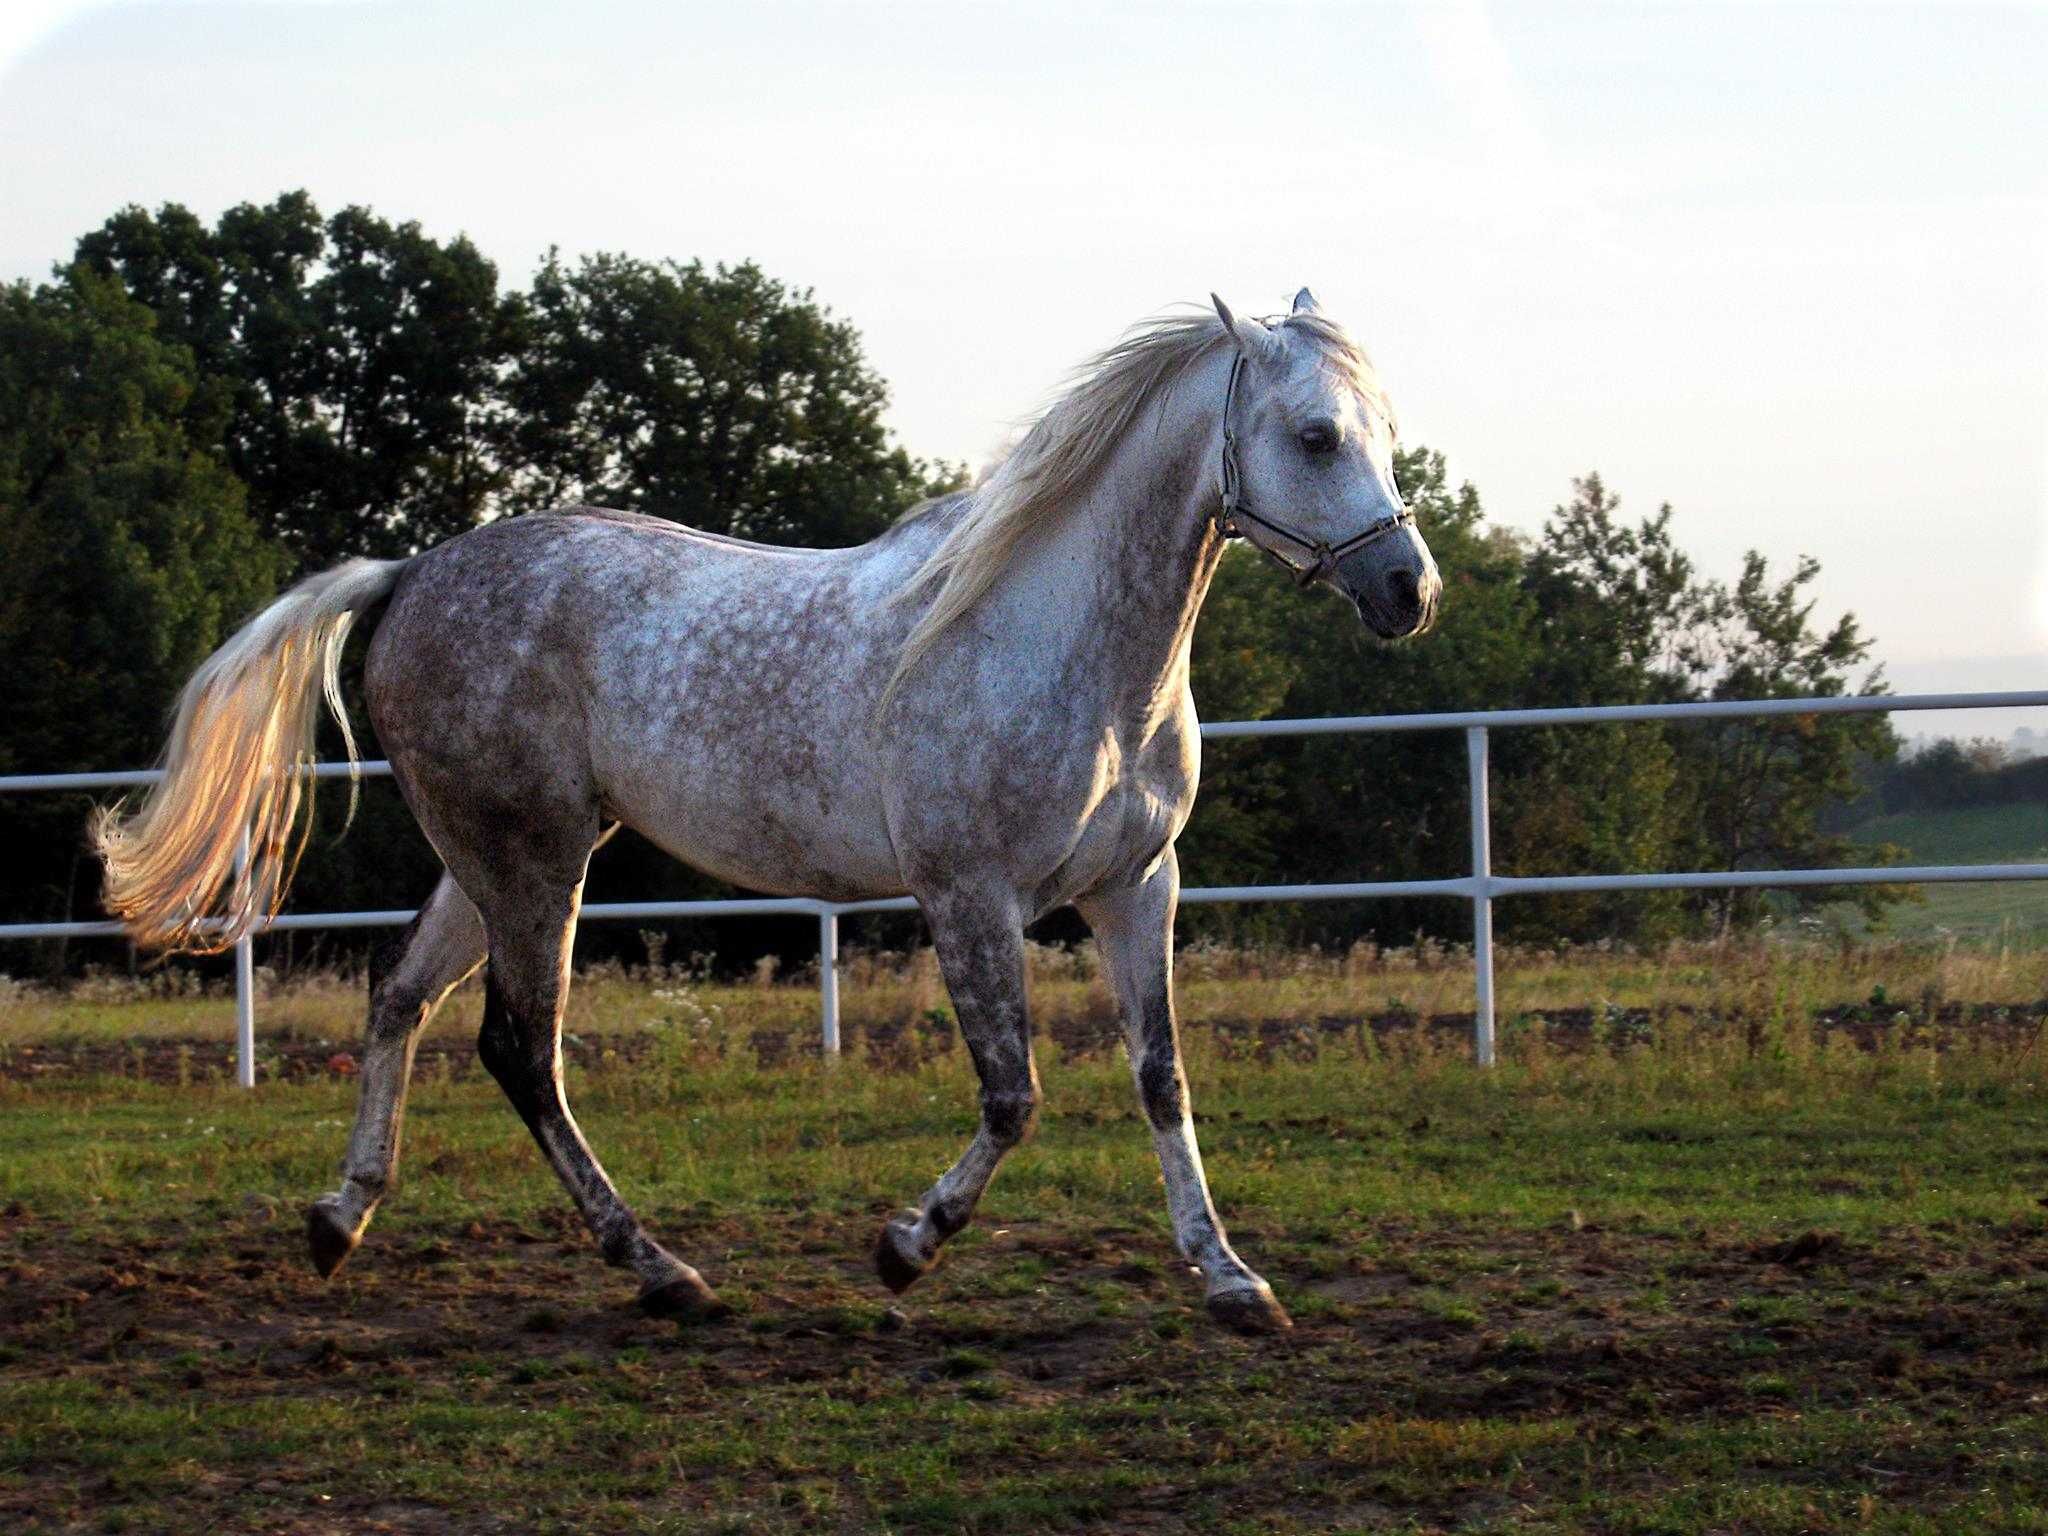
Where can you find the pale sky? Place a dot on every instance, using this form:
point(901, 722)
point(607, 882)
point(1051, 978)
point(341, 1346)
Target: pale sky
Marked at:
point(1785, 267)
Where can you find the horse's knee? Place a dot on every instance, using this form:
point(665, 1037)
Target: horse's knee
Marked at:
point(1009, 1117)
point(397, 1011)
point(399, 1003)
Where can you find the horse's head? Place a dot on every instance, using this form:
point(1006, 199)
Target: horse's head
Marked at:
point(1308, 468)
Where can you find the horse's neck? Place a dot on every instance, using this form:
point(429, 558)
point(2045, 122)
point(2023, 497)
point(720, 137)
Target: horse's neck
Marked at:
point(1140, 552)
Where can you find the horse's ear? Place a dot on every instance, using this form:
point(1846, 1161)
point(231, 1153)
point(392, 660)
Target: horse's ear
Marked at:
point(1252, 338)
point(1305, 303)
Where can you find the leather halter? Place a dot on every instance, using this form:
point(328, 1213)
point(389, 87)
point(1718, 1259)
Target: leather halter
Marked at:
point(1235, 509)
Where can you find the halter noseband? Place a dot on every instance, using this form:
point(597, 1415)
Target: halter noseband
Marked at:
point(1235, 510)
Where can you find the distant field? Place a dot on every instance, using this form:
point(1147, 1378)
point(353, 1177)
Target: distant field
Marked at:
point(1669, 1271)
point(1990, 834)
point(1980, 834)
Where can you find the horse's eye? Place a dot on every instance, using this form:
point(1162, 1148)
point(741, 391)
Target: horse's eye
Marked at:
point(1319, 437)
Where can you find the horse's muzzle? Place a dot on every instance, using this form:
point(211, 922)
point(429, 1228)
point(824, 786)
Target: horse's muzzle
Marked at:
point(1394, 603)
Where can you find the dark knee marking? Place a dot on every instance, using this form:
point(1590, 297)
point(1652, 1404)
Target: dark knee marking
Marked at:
point(396, 1014)
point(396, 1011)
point(1009, 1117)
point(1163, 1090)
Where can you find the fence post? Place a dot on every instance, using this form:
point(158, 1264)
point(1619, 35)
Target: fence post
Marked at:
point(245, 985)
point(828, 978)
point(1482, 897)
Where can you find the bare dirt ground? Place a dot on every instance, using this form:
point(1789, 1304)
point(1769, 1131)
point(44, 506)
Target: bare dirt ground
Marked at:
point(1627, 1338)
point(1664, 1271)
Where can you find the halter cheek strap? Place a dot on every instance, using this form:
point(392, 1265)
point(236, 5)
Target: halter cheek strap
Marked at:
point(1235, 510)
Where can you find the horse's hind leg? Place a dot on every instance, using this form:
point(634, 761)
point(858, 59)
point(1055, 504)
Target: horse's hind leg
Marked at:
point(530, 934)
point(980, 942)
point(1134, 930)
point(408, 979)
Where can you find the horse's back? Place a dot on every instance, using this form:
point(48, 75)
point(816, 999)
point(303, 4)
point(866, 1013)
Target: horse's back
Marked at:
point(713, 693)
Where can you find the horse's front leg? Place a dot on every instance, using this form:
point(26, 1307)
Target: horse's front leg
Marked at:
point(1134, 930)
point(980, 943)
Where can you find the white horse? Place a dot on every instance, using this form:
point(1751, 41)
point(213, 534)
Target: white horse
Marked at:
point(986, 708)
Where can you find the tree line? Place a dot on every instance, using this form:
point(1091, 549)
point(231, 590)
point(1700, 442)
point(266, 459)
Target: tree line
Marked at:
point(1947, 775)
point(191, 415)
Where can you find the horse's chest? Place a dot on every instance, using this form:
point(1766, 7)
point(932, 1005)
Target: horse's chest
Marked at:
point(1141, 803)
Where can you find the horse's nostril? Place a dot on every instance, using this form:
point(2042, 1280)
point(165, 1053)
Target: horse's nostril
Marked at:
point(1406, 588)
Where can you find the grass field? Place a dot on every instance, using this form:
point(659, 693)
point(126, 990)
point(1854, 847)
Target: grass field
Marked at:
point(1683, 1263)
point(1985, 834)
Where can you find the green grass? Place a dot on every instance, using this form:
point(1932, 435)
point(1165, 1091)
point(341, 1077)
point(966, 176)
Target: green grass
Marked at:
point(1704, 1125)
point(1987, 834)
point(1721, 1279)
point(1978, 834)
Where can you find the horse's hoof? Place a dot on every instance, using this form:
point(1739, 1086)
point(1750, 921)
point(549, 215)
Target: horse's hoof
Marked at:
point(686, 1299)
point(329, 1241)
point(1250, 1311)
point(898, 1271)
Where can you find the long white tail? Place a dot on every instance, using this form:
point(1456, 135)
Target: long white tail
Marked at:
point(241, 739)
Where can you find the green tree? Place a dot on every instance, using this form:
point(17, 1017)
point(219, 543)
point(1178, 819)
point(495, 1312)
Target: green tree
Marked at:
point(362, 362)
point(1627, 618)
point(1756, 789)
point(129, 554)
point(1616, 604)
point(1612, 605)
point(714, 396)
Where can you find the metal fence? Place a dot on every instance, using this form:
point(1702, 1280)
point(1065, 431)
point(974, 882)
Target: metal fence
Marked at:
point(1482, 887)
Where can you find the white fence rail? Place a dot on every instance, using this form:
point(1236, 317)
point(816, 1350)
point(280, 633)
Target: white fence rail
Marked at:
point(1482, 887)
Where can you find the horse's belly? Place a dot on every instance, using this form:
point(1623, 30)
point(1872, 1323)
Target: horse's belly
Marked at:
point(820, 836)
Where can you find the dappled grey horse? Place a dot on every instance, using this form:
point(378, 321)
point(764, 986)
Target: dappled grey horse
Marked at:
point(987, 708)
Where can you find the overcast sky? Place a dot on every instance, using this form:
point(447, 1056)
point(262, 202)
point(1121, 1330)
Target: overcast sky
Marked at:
point(1785, 267)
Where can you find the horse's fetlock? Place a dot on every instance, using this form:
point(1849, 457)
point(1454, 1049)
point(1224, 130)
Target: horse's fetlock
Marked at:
point(369, 1185)
point(946, 1219)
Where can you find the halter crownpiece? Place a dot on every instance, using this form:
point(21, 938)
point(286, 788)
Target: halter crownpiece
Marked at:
point(1234, 509)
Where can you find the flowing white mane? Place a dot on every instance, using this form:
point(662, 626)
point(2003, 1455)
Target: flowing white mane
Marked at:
point(1068, 446)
